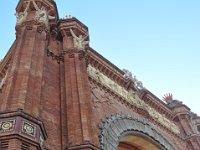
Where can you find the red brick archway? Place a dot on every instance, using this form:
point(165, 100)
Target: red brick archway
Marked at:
point(126, 132)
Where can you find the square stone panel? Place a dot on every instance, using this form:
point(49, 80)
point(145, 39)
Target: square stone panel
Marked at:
point(7, 125)
point(29, 129)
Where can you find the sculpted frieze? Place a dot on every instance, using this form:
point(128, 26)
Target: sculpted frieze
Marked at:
point(131, 97)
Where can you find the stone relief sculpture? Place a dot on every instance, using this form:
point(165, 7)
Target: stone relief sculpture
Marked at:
point(21, 16)
point(42, 14)
point(127, 74)
point(131, 98)
point(79, 41)
point(138, 83)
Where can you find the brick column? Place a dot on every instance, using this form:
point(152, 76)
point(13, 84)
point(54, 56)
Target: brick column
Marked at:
point(77, 93)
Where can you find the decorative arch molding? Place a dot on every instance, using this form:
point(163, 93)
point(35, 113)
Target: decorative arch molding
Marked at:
point(118, 125)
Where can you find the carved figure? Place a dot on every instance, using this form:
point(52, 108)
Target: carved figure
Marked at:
point(138, 83)
point(79, 41)
point(127, 74)
point(42, 14)
point(22, 15)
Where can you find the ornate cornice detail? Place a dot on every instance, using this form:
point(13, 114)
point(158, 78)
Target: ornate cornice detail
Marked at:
point(132, 98)
point(118, 125)
point(105, 66)
point(72, 51)
point(58, 58)
point(29, 26)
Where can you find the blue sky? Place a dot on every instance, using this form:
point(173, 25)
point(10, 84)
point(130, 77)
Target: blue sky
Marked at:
point(157, 40)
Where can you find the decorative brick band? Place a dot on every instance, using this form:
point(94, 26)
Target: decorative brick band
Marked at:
point(24, 125)
point(114, 127)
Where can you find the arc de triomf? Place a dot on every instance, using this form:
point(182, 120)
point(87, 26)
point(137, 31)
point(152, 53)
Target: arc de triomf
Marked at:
point(57, 93)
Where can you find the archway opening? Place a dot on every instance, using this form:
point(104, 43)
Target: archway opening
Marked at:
point(137, 142)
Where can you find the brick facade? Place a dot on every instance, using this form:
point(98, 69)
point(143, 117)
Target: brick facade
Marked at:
point(57, 93)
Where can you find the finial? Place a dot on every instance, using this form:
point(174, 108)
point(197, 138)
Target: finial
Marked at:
point(168, 98)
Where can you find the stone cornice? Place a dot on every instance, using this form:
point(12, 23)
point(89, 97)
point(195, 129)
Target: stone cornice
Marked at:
point(156, 103)
point(58, 58)
point(72, 22)
point(29, 26)
point(107, 68)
